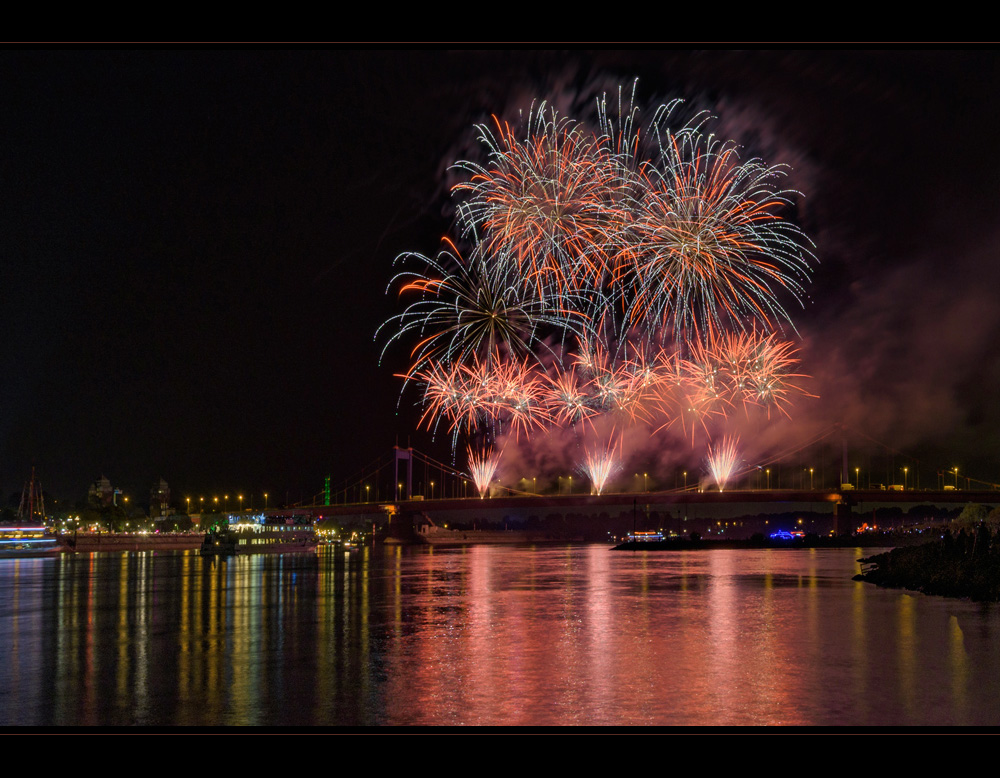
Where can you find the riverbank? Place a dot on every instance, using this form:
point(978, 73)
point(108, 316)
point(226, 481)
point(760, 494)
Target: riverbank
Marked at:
point(966, 565)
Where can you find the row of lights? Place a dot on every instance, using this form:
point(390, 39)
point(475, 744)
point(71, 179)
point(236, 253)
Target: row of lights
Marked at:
point(645, 482)
point(225, 499)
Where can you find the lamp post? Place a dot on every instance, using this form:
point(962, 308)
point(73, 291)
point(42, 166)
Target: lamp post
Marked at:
point(810, 479)
point(265, 501)
point(906, 471)
point(857, 478)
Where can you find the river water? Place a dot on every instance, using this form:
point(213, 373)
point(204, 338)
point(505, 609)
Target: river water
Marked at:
point(491, 635)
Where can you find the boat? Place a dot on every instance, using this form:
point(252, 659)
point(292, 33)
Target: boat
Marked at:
point(783, 534)
point(261, 535)
point(645, 536)
point(30, 537)
point(28, 541)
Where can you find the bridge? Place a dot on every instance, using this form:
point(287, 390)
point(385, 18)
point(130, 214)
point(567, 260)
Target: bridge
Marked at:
point(705, 511)
point(407, 482)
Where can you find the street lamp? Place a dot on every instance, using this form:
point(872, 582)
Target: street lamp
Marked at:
point(857, 478)
point(645, 482)
point(241, 503)
point(368, 491)
point(810, 479)
point(905, 472)
point(685, 480)
point(432, 490)
point(768, 471)
point(956, 478)
point(265, 501)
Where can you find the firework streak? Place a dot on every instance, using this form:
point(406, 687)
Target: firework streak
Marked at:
point(722, 459)
point(630, 275)
point(482, 466)
point(599, 465)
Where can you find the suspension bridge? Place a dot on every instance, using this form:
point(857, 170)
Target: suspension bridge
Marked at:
point(821, 475)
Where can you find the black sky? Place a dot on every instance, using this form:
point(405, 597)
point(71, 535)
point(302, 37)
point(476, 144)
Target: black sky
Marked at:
point(196, 245)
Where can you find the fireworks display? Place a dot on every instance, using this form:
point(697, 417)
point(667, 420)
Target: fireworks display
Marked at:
point(611, 278)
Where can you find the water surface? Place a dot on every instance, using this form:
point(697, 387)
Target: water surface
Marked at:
point(486, 635)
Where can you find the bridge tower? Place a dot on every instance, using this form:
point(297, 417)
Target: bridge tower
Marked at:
point(843, 521)
point(405, 456)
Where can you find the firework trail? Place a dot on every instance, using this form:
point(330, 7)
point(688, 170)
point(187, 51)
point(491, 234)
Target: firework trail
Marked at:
point(482, 467)
point(599, 465)
point(622, 273)
point(722, 461)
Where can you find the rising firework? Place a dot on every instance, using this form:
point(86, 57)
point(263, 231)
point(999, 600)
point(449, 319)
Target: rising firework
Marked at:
point(722, 459)
point(482, 467)
point(599, 465)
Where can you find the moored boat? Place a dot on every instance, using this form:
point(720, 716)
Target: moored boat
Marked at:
point(27, 542)
point(260, 535)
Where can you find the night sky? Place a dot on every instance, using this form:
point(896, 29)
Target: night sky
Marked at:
point(196, 246)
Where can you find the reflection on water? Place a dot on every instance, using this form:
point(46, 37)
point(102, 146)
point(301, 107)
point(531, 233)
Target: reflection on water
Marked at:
point(485, 635)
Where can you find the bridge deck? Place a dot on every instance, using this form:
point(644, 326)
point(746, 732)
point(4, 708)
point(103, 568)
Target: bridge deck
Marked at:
point(691, 496)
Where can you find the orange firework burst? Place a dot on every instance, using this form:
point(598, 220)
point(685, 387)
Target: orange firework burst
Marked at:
point(545, 201)
point(711, 248)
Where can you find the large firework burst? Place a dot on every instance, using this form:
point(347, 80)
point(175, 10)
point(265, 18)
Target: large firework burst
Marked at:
point(543, 201)
point(710, 248)
point(634, 275)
